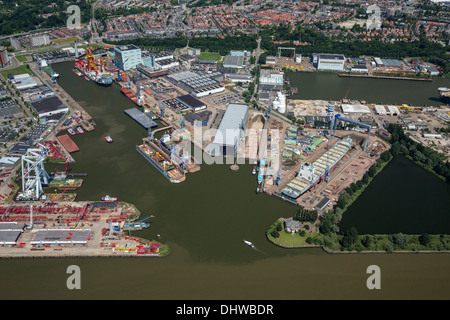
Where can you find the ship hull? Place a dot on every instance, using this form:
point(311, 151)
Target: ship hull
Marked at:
point(89, 78)
point(293, 192)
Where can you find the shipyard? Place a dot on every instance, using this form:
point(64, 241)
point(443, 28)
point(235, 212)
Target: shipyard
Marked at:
point(303, 152)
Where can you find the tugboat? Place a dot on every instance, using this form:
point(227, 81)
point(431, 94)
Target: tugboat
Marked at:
point(80, 130)
point(251, 245)
point(108, 139)
point(109, 199)
point(71, 131)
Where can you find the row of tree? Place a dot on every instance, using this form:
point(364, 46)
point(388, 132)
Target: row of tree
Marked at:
point(211, 44)
point(304, 215)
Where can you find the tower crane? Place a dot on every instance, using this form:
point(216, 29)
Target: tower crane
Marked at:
point(119, 67)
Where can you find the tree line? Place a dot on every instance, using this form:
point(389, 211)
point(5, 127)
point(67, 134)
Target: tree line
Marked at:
point(429, 158)
point(31, 15)
point(211, 44)
point(320, 43)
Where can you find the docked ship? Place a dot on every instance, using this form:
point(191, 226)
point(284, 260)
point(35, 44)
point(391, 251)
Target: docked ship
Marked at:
point(92, 70)
point(65, 184)
point(311, 174)
point(261, 170)
point(107, 198)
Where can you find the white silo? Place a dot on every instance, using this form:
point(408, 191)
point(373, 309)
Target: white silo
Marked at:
point(276, 104)
point(282, 100)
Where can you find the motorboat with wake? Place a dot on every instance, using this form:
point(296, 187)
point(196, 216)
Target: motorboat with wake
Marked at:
point(251, 245)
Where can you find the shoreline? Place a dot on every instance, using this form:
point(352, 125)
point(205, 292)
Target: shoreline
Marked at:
point(331, 251)
point(384, 77)
point(99, 243)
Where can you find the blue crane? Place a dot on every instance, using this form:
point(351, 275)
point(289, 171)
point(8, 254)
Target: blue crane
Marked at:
point(120, 66)
point(337, 118)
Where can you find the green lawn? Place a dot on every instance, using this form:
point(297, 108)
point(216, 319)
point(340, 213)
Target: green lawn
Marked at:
point(210, 56)
point(15, 71)
point(290, 240)
point(23, 58)
point(67, 40)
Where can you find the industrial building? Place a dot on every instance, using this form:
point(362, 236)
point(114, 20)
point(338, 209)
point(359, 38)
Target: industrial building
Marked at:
point(236, 62)
point(148, 59)
point(10, 233)
point(24, 81)
point(196, 84)
point(61, 237)
point(361, 68)
point(380, 110)
point(271, 77)
point(331, 62)
point(8, 109)
point(191, 102)
point(40, 40)
point(230, 130)
point(244, 78)
point(128, 55)
point(201, 117)
point(355, 108)
point(4, 60)
point(47, 107)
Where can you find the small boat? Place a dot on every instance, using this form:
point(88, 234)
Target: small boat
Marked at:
point(249, 243)
point(109, 199)
point(258, 189)
point(80, 130)
point(108, 139)
point(71, 131)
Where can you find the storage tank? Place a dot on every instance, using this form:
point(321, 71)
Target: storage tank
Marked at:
point(282, 101)
point(276, 104)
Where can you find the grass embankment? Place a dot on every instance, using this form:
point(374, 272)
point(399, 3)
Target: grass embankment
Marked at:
point(429, 169)
point(19, 70)
point(66, 40)
point(23, 58)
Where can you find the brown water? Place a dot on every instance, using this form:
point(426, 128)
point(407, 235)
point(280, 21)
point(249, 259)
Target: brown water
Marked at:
point(204, 220)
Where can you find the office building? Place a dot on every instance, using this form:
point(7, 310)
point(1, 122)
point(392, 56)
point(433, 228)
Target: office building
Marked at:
point(128, 55)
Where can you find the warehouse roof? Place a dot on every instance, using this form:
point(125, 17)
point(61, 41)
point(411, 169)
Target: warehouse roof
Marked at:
point(61, 236)
point(232, 122)
point(50, 104)
point(191, 102)
point(235, 61)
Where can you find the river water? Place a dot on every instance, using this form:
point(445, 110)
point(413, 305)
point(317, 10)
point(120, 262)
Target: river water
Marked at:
point(329, 86)
point(204, 220)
